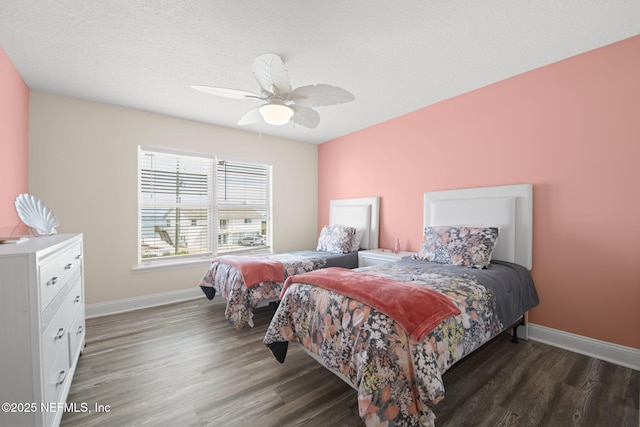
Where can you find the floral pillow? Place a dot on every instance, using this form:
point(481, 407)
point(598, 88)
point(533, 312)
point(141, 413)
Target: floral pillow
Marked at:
point(357, 240)
point(463, 246)
point(336, 239)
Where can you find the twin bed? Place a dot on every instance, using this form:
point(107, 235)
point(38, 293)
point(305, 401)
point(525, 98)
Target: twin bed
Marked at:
point(249, 282)
point(392, 330)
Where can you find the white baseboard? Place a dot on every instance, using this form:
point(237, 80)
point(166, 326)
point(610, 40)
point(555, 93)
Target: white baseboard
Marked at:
point(129, 304)
point(625, 356)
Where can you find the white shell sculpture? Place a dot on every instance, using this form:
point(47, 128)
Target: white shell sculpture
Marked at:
point(34, 213)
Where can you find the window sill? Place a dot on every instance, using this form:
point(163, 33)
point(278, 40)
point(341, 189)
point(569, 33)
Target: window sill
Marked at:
point(169, 265)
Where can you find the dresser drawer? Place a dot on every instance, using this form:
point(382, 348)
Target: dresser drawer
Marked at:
point(76, 336)
point(75, 298)
point(57, 271)
point(50, 281)
point(55, 377)
point(55, 339)
point(70, 261)
point(77, 328)
point(369, 261)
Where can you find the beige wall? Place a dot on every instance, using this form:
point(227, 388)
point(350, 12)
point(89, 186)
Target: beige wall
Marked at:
point(83, 164)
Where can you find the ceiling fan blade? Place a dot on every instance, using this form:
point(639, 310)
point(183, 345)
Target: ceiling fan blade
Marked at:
point(251, 116)
point(320, 95)
point(305, 116)
point(227, 93)
point(271, 75)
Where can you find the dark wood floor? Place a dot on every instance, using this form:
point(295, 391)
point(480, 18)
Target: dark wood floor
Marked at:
point(184, 365)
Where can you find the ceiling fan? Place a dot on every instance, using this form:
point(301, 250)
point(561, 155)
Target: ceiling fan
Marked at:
point(282, 104)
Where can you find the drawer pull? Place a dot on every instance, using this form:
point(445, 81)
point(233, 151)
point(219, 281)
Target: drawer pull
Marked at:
point(77, 298)
point(79, 256)
point(80, 329)
point(52, 281)
point(68, 266)
point(59, 335)
point(61, 376)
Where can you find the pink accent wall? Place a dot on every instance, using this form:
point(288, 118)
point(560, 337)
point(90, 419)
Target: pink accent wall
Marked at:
point(14, 143)
point(572, 129)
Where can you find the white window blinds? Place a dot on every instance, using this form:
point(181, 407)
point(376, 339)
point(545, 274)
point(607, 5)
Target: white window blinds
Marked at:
point(190, 205)
point(175, 204)
point(243, 206)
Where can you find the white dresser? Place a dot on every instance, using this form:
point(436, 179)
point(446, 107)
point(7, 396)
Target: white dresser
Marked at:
point(41, 327)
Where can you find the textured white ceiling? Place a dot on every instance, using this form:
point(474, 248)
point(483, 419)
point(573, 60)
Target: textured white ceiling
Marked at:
point(395, 57)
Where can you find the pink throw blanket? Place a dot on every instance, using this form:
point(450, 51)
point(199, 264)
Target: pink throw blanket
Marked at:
point(417, 309)
point(254, 270)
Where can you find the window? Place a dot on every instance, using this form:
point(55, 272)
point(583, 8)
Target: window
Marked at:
point(183, 196)
point(243, 204)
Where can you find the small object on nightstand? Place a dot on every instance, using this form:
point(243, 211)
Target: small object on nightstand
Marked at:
point(396, 249)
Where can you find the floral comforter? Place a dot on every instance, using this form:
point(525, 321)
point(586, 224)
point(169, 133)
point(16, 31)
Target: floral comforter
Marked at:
point(226, 281)
point(397, 378)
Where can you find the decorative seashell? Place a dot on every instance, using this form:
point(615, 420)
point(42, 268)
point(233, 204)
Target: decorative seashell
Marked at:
point(34, 213)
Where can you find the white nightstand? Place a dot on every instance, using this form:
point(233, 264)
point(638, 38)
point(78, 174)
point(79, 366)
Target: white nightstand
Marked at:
point(379, 256)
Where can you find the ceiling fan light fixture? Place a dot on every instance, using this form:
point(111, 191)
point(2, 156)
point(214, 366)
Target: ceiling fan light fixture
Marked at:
point(282, 105)
point(276, 113)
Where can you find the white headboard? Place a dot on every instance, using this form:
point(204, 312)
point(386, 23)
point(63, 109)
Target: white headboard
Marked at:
point(509, 206)
point(363, 212)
